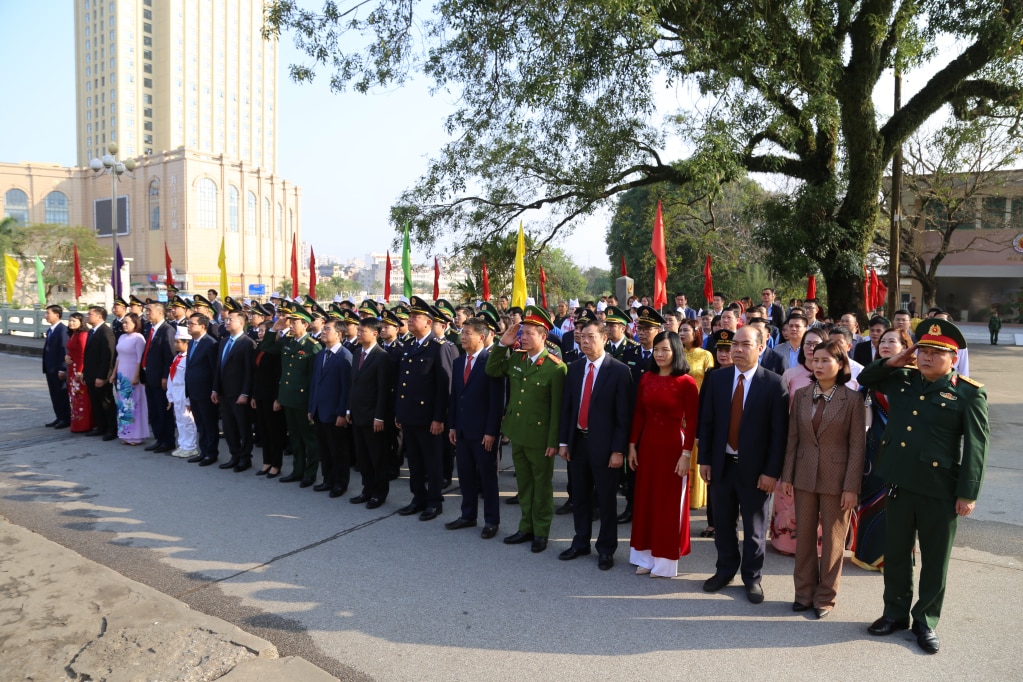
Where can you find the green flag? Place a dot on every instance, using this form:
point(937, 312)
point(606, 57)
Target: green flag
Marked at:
point(406, 263)
point(40, 282)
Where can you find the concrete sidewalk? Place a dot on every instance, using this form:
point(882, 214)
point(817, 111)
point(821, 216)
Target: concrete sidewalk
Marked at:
point(370, 595)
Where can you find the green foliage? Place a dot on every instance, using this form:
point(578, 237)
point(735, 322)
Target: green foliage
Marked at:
point(599, 282)
point(55, 244)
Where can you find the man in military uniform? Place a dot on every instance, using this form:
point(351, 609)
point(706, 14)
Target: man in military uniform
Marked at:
point(536, 383)
point(420, 410)
point(932, 457)
point(298, 353)
point(368, 308)
point(179, 310)
point(388, 339)
point(618, 341)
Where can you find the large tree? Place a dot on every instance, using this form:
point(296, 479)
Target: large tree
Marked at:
point(55, 246)
point(560, 104)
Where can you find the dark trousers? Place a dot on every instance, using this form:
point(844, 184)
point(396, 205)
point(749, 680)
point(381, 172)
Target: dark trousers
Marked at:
point(237, 420)
point(425, 465)
point(335, 454)
point(908, 517)
point(59, 397)
point(477, 472)
point(371, 451)
point(207, 425)
point(275, 431)
point(449, 460)
point(397, 449)
point(104, 410)
point(994, 337)
point(161, 420)
point(588, 465)
point(302, 438)
point(731, 499)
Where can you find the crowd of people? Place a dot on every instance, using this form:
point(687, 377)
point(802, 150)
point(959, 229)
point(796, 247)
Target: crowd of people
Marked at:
point(793, 424)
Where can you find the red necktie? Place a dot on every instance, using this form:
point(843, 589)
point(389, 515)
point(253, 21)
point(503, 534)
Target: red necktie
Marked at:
point(468, 368)
point(584, 406)
point(735, 418)
point(149, 343)
point(174, 365)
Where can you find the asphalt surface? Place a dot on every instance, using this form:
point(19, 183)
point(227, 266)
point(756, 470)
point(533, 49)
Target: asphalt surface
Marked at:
point(371, 595)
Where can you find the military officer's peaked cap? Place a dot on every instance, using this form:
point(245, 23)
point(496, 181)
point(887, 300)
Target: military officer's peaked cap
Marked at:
point(285, 306)
point(390, 317)
point(316, 311)
point(369, 307)
point(441, 315)
point(231, 305)
point(420, 306)
point(723, 337)
point(445, 307)
point(172, 290)
point(490, 320)
point(585, 315)
point(615, 314)
point(939, 333)
point(348, 317)
point(401, 310)
point(648, 317)
point(300, 313)
point(537, 316)
point(135, 300)
point(178, 302)
point(120, 300)
point(488, 307)
point(200, 300)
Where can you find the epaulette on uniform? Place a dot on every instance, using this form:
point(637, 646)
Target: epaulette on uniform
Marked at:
point(554, 358)
point(971, 382)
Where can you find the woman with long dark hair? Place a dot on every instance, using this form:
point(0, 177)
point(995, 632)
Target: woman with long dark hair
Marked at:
point(81, 408)
point(660, 448)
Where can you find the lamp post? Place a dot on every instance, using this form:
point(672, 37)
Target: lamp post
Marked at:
point(110, 164)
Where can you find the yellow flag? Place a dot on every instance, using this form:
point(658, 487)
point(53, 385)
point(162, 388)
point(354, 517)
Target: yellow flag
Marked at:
point(222, 262)
point(11, 267)
point(519, 283)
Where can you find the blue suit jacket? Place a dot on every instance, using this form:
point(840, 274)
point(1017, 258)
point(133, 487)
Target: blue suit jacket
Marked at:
point(477, 405)
point(610, 405)
point(330, 387)
point(54, 350)
point(763, 434)
point(201, 369)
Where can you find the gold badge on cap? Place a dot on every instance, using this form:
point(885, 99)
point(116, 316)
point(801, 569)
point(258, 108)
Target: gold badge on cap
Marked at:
point(724, 335)
point(935, 330)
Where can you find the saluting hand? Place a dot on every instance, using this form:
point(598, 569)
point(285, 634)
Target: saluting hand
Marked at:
point(903, 359)
point(511, 334)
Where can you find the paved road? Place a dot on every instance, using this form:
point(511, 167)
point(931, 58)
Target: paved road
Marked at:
point(370, 595)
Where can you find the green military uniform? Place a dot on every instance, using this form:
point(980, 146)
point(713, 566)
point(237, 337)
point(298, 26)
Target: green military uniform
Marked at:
point(932, 453)
point(297, 360)
point(615, 315)
point(531, 423)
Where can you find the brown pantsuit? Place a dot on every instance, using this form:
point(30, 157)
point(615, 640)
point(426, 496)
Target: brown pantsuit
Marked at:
point(816, 580)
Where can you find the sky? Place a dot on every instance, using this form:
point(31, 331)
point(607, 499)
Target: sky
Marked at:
point(351, 154)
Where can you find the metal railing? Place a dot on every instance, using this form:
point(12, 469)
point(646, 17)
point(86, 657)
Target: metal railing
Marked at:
point(26, 321)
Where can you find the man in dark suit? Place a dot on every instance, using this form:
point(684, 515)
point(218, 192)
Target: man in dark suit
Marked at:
point(369, 410)
point(743, 463)
point(420, 410)
point(100, 353)
point(330, 386)
point(54, 367)
point(474, 427)
point(156, 362)
point(594, 433)
point(119, 310)
point(232, 386)
point(773, 309)
point(199, 377)
point(865, 352)
point(390, 326)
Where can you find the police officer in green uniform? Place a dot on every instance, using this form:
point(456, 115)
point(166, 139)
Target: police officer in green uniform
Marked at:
point(618, 341)
point(932, 458)
point(450, 335)
point(536, 381)
point(297, 351)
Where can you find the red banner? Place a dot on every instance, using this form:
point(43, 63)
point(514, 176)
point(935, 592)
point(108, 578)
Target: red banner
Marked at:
point(661, 266)
point(312, 273)
point(543, 288)
point(436, 279)
point(486, 282)
point(811, 287)
point(167, 262)
point(708, 281)
point(294, 266)
point(387, 278)
point(78, 275)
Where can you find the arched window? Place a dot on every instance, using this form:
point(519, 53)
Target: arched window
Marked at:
point(57, 209)
point(232, 208)
point(16, 205)
point(207, 203)
point(280, 222)
point(266, 217)
point(251, 213)
point(154, 204)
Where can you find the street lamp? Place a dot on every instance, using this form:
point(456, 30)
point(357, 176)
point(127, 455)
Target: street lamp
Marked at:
point(110, 164)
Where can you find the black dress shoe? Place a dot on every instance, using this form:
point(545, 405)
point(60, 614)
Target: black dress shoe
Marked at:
point(163, 449)
point(926, 637)
point(359, 499)
point(573, 553)
point(323, 487)
point(566, 508)
point(150, 448)
point(539, 544)
point(716, 582)
point(337, 492)
point(263, 472)
point(605, 562)
point(52, 424)
point(307, 483)
point(374, 502)
point(230, 464)
point(755, 593)
point(514, 499)
point(243, 465)
point(208, 461)
point(194, 459)
point(517, 538)
point(488, 531)
point(430, 513)
point(460, 523)
point(822, 612)
point(410, 509)
point(799, 608)
point(61, 425)
point(94, 432)
point(270, 475)
point(625, 516)
point(110, 436)
point(290, 478)
point(886, 626)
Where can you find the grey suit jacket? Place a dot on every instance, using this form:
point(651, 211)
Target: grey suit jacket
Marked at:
point(831, 460)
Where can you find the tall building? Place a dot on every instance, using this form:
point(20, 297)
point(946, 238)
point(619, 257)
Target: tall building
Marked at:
point(157, 75)
point(188, 88)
